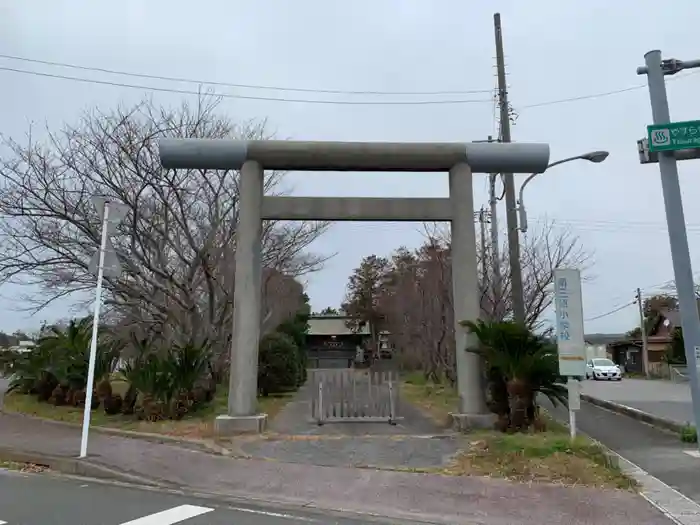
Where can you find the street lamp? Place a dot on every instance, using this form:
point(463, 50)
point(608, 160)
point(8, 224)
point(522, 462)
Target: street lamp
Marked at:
point(593, 156)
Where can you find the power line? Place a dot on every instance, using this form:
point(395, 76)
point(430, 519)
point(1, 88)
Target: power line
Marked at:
point(611, 227)
point(610, 312)
point(303, 90)
point(241, 86)
point(582, 97)
point(618, 308)
point(252, 97)
point(599, 95)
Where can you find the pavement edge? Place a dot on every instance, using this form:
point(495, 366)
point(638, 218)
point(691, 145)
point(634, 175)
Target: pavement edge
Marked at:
point(656, 421)
point(202, 444)
point(677, 507)
point(74, 466)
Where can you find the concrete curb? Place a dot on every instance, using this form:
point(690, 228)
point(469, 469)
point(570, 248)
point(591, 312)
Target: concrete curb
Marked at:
point(204, 445)
point(656, 421)
point(75, 467)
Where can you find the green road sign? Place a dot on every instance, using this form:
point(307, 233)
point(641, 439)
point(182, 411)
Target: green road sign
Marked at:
point(674, 136)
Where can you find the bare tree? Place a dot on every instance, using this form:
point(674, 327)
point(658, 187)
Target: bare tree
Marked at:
point(416, 301)
point(282, 296)
point(177, 242)
point(544, 249)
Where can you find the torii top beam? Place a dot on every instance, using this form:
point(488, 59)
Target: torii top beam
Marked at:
point(287, 155)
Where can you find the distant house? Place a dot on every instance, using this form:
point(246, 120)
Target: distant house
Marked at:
point(22, 346)
point(331, 344)
point(628, 351)
point(597, 345)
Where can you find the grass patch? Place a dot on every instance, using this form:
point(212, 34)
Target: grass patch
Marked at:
point(689, 434)
point(436, 401)
point(197, 425)
point(548, 457)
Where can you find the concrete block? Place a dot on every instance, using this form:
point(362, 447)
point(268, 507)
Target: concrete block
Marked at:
point(470, 422)
point(231, 425)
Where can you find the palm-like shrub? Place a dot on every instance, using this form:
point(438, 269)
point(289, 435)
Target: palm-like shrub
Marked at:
point(520, 364)
point(70, 354)
point(56, 369)
point(169, 382)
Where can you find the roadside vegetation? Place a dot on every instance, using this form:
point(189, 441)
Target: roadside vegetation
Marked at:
point(526, 445)
point(689, 434)
point(6, 464)
point(146, 385)
point(165, 338)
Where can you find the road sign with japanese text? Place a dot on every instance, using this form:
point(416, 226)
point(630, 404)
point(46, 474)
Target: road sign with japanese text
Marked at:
point(674, 136)
point(569, 311)
point(116, 211)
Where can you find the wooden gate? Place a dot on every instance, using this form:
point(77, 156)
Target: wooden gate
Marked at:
point(348, 395)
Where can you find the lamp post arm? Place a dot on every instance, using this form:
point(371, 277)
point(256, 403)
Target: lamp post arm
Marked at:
point(521, 204)
point(522, 187)
point(556, 163)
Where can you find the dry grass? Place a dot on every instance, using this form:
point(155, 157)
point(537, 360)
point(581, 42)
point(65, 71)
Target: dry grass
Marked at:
point(549, 457)
point(435, 401)
point(22, 467)
point(198, 425)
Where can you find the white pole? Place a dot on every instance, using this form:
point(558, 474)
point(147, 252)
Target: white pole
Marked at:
point(572, 424)
point(574, 389)
point(93, 341)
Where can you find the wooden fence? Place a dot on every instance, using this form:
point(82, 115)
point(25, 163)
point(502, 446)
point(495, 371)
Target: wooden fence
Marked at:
point(348, 395)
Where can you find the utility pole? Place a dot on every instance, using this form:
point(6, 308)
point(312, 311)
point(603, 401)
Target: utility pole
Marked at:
point(516, 276)
point(483, 219)
point(655, 70)
point(643, 327)
point(495, 248)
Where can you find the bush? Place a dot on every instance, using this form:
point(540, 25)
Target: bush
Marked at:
point(688, 434)
point(171, 382)
point(168, 382)
point(519, 366)
point(278, 364)
point(55, 370)
point(296, 328)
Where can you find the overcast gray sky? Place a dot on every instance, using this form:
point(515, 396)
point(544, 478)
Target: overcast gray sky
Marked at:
point(554, 50)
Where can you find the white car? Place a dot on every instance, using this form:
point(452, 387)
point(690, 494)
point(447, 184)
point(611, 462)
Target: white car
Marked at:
point(603, 369)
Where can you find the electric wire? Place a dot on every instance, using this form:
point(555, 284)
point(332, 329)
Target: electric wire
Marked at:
point(240, 86)
point(296, 89)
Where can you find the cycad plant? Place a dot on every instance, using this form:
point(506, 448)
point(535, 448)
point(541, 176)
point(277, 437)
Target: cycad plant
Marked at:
point(171, 382)
point(57, 367)
point(520, 365)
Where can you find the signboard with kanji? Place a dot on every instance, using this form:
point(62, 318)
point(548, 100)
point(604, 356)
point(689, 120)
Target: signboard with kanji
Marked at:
point(674, 136)
point(569, 311)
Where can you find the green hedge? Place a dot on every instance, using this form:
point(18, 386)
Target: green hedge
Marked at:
point(278, 364)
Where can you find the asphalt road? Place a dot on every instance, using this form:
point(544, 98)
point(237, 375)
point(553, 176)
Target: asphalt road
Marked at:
point(39, 499)
point(662, 398)
point(660, 453)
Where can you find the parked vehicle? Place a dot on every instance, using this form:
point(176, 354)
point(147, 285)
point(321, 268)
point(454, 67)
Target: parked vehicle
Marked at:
point(602, 369)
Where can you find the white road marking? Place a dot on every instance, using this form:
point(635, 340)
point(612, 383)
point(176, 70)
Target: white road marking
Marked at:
point(3, 522)
point(693, 453)
point(170, 516)
point(272, 514)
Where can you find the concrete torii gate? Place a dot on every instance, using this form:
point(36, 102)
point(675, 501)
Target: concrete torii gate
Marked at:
point(460, 160)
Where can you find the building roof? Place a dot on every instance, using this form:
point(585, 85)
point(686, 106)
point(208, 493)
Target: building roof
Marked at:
point(332, 325)
point(602, 339)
